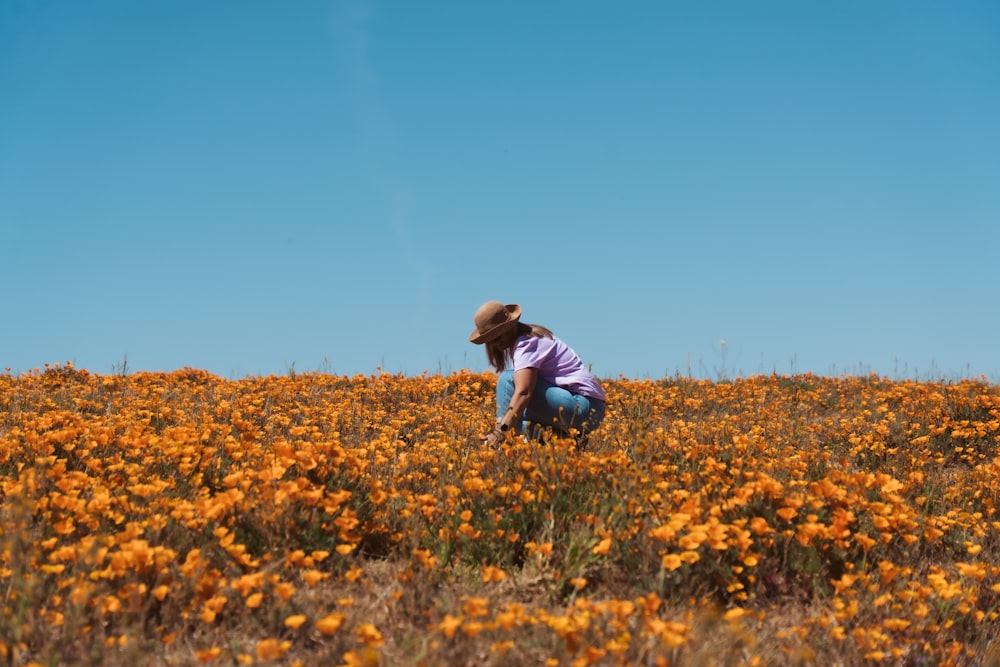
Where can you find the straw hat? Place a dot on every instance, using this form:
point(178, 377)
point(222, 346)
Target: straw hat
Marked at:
point(493, 319)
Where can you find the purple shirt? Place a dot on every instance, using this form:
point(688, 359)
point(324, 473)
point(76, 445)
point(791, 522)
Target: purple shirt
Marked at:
point(556, 363)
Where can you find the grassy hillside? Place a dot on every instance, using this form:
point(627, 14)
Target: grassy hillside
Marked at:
point(179, 519)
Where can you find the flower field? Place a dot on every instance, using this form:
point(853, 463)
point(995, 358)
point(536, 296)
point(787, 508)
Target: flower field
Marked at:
point(184, 519)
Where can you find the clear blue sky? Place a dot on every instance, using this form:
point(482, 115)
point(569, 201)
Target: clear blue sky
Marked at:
point(242, 186)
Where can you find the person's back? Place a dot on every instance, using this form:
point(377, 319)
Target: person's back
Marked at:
point(557, 363)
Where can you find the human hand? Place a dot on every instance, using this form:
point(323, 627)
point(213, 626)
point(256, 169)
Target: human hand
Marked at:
point(494, 439)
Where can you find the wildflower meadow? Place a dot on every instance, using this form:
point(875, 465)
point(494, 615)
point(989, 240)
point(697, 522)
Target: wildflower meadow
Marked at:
point(313, 519)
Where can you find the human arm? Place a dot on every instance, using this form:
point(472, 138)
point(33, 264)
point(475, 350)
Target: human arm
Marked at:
point(524, 386)
point(525, 380)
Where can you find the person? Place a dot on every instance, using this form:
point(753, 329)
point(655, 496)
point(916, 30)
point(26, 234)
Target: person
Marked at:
point(541, 381)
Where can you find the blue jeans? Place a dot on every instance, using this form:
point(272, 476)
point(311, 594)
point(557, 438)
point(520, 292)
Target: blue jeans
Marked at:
point(552, 406)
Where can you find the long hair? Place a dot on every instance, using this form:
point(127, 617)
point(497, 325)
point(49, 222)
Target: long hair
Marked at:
point(499, 357)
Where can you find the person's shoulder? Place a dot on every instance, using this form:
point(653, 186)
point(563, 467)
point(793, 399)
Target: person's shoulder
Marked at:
point(526, 343)
point(540, 346)
point(556, 342)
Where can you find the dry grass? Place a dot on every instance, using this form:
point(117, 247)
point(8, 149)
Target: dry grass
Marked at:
point(179, 519)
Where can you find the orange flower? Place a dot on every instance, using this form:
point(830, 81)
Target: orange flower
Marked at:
point(787, 513)
point(866, 542)
point(476, 607)
point(369, 635)
point(313, 577)
point(896, 624)
point(330, 623)
point(208, 655)
point(734, 614)
point(295, 621)
point(449, 625)
point(603, 547)
point(758, 525)
point(671, 562)
point(284, 590)
point(271, 649)
point(493, 574)
point(366, 657)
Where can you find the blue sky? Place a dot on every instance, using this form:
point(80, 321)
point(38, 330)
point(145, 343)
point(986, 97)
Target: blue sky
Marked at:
point(246, 187)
